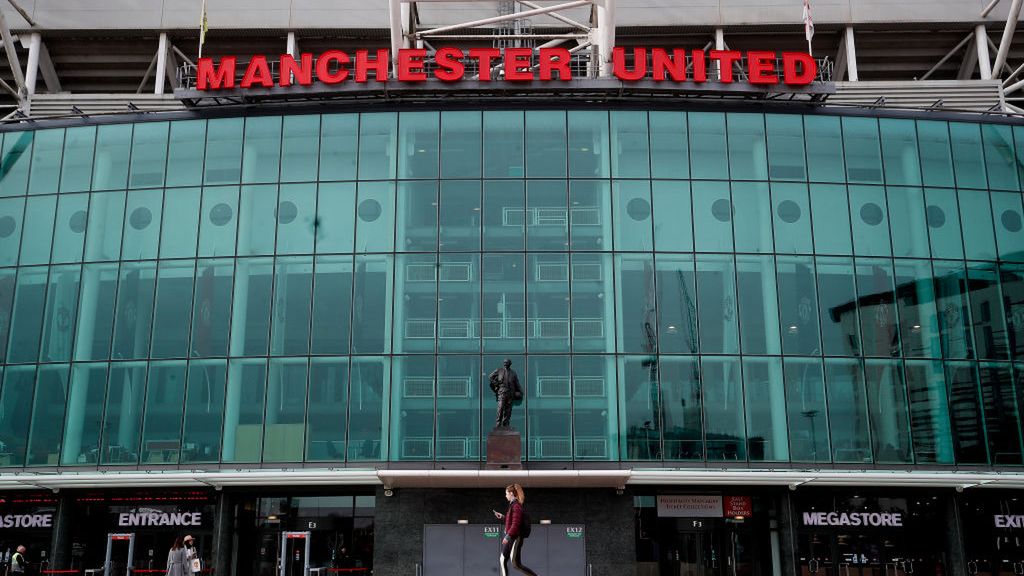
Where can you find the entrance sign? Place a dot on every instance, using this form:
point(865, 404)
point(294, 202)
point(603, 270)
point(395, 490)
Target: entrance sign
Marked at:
point(449, 64)
point(689, 506)
point(152, 517)
point(861, 519)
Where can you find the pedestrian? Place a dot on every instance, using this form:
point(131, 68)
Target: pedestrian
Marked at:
point(18, 562)
point(517, 527)
point(194, 563)
point(176, 559)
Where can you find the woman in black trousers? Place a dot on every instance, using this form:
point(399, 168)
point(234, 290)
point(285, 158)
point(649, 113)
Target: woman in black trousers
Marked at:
point(512, 543)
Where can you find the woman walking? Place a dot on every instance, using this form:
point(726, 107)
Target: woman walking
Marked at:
point(176, 559)
point(512, 544)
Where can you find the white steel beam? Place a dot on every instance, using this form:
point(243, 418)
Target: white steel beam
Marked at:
point(947, 57)
point(839, 70)
point(991, 5)
point(395, 18)
point(1004, 44)
point(556, 16)
point(851, 55)
point(492, 20)
point(984, 60)
point(12, 55)
point(605, 36)
point(292, 46)
point(35, 44)
point(161, 64)
point(47, 70)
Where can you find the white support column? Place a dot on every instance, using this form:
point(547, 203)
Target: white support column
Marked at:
point(719, 45)
point(984, 61)
point(1004, 44)
point(851, 55)
point(35, 46)
point(395, 14)
point(161, 64)
point(293, 46)
point(12, 55)
point(606, 36)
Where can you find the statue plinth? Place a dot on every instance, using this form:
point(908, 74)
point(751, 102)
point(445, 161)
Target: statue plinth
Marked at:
point(504, 449)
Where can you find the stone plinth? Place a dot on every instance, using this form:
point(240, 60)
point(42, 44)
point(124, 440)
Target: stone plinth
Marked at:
point(504, 449)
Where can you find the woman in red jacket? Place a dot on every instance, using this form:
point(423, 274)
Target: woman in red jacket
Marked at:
point(512, 544)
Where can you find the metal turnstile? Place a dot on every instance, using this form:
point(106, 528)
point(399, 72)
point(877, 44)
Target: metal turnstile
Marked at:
point(288, 541)
point(112, 568)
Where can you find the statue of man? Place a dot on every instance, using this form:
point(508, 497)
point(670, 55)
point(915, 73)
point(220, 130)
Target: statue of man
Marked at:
point(505, 385)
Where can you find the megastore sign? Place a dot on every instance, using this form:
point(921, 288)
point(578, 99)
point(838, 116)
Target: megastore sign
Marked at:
point(762, 68)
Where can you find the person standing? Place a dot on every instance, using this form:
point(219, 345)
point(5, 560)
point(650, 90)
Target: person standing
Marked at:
point(176, 559)
point(193, 563)
point(18, 563)
point(515, 531)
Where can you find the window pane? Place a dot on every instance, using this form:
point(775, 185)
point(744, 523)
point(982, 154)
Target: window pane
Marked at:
point(1002, 420)
point(460, 144)
point(332, 304)
point(14, 167)
point(758, 304)
point(791, 218)
point(37, 236)
point(418, 144)
point(936, 159)
point(96, 319)
point(1006, 211)
point(915, 296)
point(81, 444)
point(716, 290)
point(723, 413)
point(588, 143)
point(987, 314)
point(765, 395)
point(173, 309)
point(412, 419)
point(61, 310)
point(375, 230)
point(629, 143)
point(680, 403)
point(712, 216)
point(212, 309)
point(966, 409)
point(503, 144)
point(257, 211)
point(204, 410)
point(250, 314)
point(592, 308)
point(69, 229)
point(44, 438)
point(123, 415)
point(243, 411)
point(547, 322)
point(887, 398)
point(142, 224)
point(293, 280)
point(224, 151)
point(786, 147)
point(752, 205)
point(870, 221)
point(110, 167)
point(371, 304)
point(847, 411)
point(134, 318)
point(1011, 279)
point(339, 134)
point(546, 217)
point(899, 151)
point(951, 304)
point(76, 172)
point(670, 146)
point(181, 223)
point(808, 415)
point(860, 144)
point(824, 149)
point(370, 378)
point(300, 148)
point(7, 285)
point(908, 214)
point(504, 302)
point(590, 214)
point(11, 213)
point(837, 307)
point(46, 155)
point(747, 150)
point(595, 426)
point(328, 403)
point(106, 222)
point(284, 432)
point(377, 140)
point(15, 400)
point(504, 215)
point(709, 160)
point(943, 217)
point(639, 428)
point(261, 153)
point(877, 308)
point(677, 312)
point(217, 222)
point(831, 214)
point(458, 303)
point(149, 155)
point(637, 316)
point(929, 413)
point(547, 384)
point(976, 216)
point(335, 218)
point(417, 214)
point(165, 399)
point(296, 218)
point(185, 153)
point(967, 155)
point(632, 215)
point(545, 144)
point(999, 158)
point(460, 216)
point(27, 315)
point(798, 305)
point(673, 216)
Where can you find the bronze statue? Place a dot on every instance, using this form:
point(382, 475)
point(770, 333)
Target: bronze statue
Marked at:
point(505, 385)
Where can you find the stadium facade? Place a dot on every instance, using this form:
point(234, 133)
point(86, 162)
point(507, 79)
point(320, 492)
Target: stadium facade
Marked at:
point(765, 298)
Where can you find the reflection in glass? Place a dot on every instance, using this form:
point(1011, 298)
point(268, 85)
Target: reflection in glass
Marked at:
point(724, 430)
point(807, 410)
point(765, 401)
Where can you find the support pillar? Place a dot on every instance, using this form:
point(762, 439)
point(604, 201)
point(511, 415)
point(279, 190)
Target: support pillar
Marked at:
point(955, 559)
point(984, 61)
point(851, 55)
point(35, 45)
point(785, 527)
point(60, 540)
point(606, 36)
point(161, 64)
point(223, 526)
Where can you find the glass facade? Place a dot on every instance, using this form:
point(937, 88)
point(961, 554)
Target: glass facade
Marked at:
point(670, 286)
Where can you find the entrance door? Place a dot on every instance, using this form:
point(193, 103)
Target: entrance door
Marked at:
point(120, 556)
point(716, 548)
point(294, 554)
